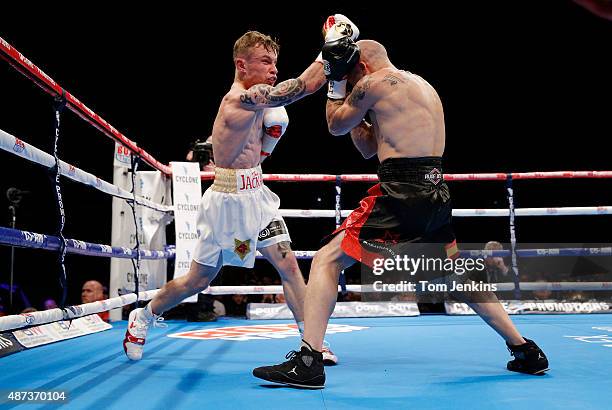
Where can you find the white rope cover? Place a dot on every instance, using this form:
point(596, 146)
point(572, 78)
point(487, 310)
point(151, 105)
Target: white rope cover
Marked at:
point(71, 312)
point(552, 211)
point(24, 150)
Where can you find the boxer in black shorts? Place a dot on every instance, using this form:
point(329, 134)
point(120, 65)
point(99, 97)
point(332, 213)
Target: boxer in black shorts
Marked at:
point(411, 203)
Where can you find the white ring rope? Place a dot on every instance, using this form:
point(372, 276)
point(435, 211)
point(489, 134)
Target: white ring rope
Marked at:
point(491, 176)
point(16, 146)
point(71, 312)
point(551, 211)
point(509, 286)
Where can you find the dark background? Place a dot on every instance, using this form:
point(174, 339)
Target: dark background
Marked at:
point(526, 86)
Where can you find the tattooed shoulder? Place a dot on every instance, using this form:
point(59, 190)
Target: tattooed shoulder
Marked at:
point(284, 93)
point(359, 92)
point(288, 90)
point(393, 79)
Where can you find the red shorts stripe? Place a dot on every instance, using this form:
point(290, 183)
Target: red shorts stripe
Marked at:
point(354, 222)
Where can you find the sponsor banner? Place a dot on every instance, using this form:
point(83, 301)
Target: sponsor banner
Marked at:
point(123, 156)
point(154, 186)
point(375, 309)
point(268, 311)
point(257, 332)
point(62, 330)
point(93, 324)
point(526, 307)
point(35, 336)
point(187, 194)
point(8, 344)
point(342, 309)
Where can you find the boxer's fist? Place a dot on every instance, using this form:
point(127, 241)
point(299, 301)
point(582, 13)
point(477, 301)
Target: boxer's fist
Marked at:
point(339, 57)
point(275, 122)
point(337, 26)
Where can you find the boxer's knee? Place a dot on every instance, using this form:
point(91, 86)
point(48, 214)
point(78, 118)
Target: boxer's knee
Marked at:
point(200, 276)
point(286, 261)
point(284, 249)
point(327, 259)
point(331, 257)
point(320, 259)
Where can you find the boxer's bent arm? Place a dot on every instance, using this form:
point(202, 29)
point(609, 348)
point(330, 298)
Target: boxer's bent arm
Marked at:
point(262, 96)
point(344, 115)
point(364, 139)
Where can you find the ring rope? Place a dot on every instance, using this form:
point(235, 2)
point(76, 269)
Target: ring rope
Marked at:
point(447, 177)
point(32, 72)
point(59, 104)
point(338, 216)
point(132, 204)
point(16, 146)
point(493, 212)
point(512, 228)
point(503, 287)
point(523, 253)
point(25, 239)
point(71, 312)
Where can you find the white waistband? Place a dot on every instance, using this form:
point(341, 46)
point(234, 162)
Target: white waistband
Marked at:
point(237, 180)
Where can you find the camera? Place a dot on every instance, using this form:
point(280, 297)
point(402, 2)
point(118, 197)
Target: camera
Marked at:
point(202, 152)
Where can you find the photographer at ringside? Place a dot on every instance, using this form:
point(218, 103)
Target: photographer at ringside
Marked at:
point(202, 151)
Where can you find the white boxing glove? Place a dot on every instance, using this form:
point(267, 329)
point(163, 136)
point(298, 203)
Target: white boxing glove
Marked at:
point(337, 26)
point(336, 90)
point(275, 122)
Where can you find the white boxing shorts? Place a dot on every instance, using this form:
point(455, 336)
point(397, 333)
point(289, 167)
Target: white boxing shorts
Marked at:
point(238, 215)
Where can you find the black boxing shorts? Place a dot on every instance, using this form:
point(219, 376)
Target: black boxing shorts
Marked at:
point(411, 204)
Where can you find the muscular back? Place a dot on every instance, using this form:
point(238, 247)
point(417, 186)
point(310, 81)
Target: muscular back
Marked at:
point(405, 112)
point(407, 117)
point(237, 132)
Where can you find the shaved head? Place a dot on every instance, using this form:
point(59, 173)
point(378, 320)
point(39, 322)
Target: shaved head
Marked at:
point(373, 54)
point(372, 57)
point(92, 291)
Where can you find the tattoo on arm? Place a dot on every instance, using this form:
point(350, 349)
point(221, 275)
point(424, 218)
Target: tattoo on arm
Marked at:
point(359, 93)
point(332, 107)
point(285, 248)
point(364, 139)
point(363, 130)
point(246, 99)
point(392, 79)
point(284, 93)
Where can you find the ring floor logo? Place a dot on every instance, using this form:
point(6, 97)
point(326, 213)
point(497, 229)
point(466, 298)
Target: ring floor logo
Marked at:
point(256, 332)
point(604, 340)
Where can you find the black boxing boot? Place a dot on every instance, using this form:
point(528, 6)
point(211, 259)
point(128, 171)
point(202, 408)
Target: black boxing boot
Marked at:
point(303, 369)
point(528, 358)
